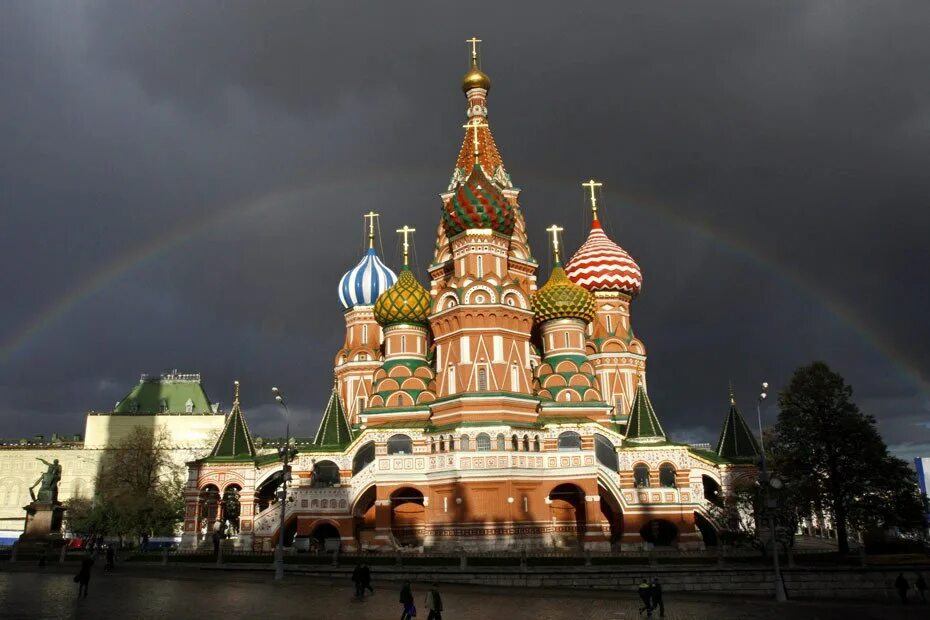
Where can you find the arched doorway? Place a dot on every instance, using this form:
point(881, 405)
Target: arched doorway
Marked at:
point(325, 537)
point(567, 514)
point(707, 529)
point(660, 533)
point(362, 458)
point(612, 511)
point(408, 515)
point(265, 493)
point(363, 515)
point(232, 508)
point(209, 502)
point(712, 491)
point(325, 474)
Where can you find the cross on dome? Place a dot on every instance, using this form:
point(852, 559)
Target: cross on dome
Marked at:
point(370, 217)
point(554, 230)
point(592, 184)
point(406, 231)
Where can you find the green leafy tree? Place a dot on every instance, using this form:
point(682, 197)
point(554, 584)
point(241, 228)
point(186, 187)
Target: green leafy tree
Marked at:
point(834, 459)
point(139, 488)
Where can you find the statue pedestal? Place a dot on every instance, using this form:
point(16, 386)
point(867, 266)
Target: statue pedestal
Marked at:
point(43, 521)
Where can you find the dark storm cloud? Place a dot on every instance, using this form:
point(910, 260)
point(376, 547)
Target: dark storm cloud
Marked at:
point(764, 162)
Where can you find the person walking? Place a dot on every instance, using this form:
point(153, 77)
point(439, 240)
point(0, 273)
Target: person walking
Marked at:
point(366, 579)
point(655, 593)
point(406, 600)
point(921, 586)
point(434, 603)
point(357, 580)
point(83, 576)
point(902, 586)
point(111, 557)
point(645, 594)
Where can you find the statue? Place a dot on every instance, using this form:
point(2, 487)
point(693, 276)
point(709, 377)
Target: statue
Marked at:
point(48, 491)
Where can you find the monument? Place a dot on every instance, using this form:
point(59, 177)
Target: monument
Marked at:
point(44, 513)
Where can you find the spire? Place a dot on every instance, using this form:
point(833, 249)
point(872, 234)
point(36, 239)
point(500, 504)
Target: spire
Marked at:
point(643, 427)
point(235, 442)
point(334, 431)
point(592, 184)
point(736, 440)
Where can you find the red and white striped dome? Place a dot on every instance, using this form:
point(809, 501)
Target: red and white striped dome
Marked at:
point(602, 265)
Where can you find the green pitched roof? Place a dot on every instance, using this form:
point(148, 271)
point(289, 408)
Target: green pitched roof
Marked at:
point(235, 442)
point(334, 427)
point(643, 426)
point(736, 440)
point(168, 393)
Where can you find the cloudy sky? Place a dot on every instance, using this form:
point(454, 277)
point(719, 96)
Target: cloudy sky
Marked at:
point(182, 184)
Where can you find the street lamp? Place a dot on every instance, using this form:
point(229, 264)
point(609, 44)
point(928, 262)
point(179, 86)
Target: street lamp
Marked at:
point(767, 483)
point(286, 454)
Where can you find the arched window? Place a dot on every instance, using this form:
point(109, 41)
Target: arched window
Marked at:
point(483, 442)
point(464, 443)
point(569, 440)
point(526, 443)
point(606, 453)
point(432, 445)
point(189, 406)
point(514, 443)
point(450, 378)
point(400, 444)
point(568, 342)
point(364, 334)
point(325, 474)
point(480, 267)
point(667, 475)
point(536, 444)
point(163, 406)
point(610, 327)
point(482, 379)
point(514, 377)
point(442, 443)
point(641, 476)
point(364, 456)
point(501, 442)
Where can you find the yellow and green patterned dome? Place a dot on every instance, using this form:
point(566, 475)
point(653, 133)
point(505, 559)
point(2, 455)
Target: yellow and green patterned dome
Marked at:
point(404, 302)
point(560, 298)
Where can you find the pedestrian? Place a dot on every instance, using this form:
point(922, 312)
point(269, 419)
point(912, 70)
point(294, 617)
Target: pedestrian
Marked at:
point(83, 576)
point(366, 579)
point(645, 594)
point(902, 586)
point(406, 600)
point(921, 586)
point(434, 603)
point(216, 544)
point(655, 593)
point(357, 580)
point(111, 556)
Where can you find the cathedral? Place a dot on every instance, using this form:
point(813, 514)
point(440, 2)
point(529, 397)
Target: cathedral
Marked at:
point(480, 410)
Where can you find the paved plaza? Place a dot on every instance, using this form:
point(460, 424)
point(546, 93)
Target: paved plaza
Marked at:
point(185, 593)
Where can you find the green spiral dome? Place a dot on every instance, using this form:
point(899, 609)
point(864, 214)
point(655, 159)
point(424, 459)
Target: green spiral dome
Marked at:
point(560, 298)
point(404, 302)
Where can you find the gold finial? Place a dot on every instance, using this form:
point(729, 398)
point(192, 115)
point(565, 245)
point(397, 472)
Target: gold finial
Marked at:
point(236, 392)
point(406, 231)
point(592, 184)
point(370, 216)
point(474, 41)
point(732, 396)
point(475, 125)
point(554, 231)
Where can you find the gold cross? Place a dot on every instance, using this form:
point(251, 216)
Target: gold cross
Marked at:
point(555, 230)
point(591, 184)
point(474, 48)
point(371, 215)
point(405, 231)
point(475, 124)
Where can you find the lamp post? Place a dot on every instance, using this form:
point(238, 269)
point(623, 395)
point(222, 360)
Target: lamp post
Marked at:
point(286, 455)
point(767, 483)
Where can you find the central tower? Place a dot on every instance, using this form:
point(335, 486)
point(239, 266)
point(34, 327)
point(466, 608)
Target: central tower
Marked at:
point(482, 274)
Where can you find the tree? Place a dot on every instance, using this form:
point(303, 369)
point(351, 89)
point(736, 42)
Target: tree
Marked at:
point(139, 488)
point(833, 457)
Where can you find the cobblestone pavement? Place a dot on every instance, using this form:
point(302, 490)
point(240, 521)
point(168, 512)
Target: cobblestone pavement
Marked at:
point(186, 593)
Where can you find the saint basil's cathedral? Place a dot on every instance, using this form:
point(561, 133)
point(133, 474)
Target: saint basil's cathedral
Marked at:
point(480, 411)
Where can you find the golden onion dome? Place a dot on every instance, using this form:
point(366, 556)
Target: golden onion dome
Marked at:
point(475, 78)
point(404, 302)
point(560, 298)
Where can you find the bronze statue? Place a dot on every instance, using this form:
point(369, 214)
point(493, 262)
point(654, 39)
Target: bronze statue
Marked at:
point(49, 480)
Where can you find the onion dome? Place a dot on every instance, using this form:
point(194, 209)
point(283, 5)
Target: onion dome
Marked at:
point(477, 203)
point(560, 298)
point(602, 265)
point(362, 284)
point(475, 78)
point(405, 302)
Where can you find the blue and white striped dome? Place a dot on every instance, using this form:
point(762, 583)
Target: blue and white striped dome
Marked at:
point(362, 284)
